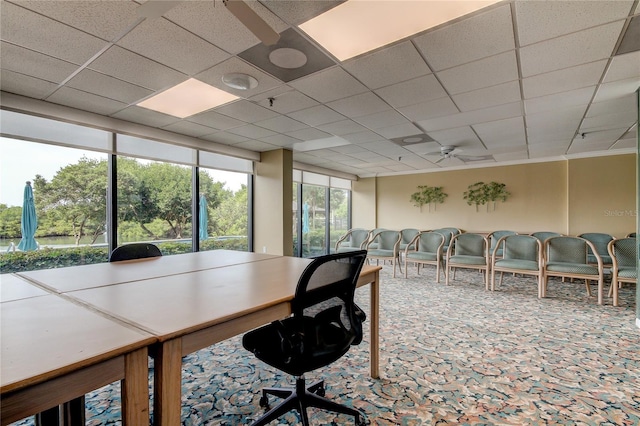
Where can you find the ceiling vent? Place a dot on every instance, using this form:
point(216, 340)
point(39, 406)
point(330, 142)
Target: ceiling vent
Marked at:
point(413, 139)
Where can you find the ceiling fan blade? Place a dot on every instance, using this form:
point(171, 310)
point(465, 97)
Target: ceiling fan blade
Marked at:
point(467, 158)
point(254, 23)
point(155, 8)
point(441, 159)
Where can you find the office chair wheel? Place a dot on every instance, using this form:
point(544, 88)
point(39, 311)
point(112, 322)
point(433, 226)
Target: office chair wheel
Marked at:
point(362, 421)
point(320, 391)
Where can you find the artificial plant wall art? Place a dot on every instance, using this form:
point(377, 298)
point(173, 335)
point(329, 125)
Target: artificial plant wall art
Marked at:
point(481, 193)
point(428, 195)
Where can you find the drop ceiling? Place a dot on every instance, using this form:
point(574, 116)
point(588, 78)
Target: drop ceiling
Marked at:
point(520, 80)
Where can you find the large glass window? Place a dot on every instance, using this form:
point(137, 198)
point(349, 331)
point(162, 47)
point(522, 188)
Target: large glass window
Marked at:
point(339, 216)
point(314, 225)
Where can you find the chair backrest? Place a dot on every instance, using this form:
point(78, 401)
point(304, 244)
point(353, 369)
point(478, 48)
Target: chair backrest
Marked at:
point(469, 244)
point(430, 242)
point(134, 251)
point(599, 240)
point(387, 239)
point(543, 235)
point(408, 234)
point(454, 231)
point(624, 252)
point(354, 238)
point(521, 247)
point(566, 249)
point(325, 292)
point(446, 233)
point(496, 235)
point(631, 235)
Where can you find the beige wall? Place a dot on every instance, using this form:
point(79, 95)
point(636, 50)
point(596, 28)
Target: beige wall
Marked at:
point(540, 198)
point(273, 195)
point(602, 195)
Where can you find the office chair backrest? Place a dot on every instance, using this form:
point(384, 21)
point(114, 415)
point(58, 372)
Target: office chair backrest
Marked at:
point(325, 292)
point(134, 251)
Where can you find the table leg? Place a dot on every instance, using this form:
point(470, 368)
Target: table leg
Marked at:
point(50, 417)
point(135, 388)
point(167, 399)
point(375, 321)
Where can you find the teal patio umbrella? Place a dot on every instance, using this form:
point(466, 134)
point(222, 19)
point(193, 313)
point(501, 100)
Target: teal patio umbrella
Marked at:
point(204, 219)
point(305, 218)
point(29, 222)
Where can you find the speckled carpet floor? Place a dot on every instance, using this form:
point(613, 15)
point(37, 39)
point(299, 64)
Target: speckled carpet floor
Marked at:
point(456, 355)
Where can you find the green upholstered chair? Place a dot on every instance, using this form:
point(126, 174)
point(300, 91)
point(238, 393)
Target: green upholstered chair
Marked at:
point(567, 257)
point(631, 235)
point(493, 238)
point(600, 241)
point(353, 240)
point(428, 251)
point(624, 254)
point(387, 245)
point(448, 234)
point(372, 236)
point(468, 250)
point(408, 235)
point(543, 235)
point(521, 254)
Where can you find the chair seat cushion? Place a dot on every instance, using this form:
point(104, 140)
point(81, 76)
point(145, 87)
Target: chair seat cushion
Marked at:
point(379, 253)
point(572, 268)
point(421, 255)
point(467, 260)
point(527, 265)
point(627, 272)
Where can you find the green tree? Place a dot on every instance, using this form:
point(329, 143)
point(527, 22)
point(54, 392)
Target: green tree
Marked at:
point(77, 196)
point(230, 218)
point(135, 199)
point(10, 219)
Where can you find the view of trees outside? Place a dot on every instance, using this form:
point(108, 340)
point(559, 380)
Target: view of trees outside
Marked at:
point(154, 203)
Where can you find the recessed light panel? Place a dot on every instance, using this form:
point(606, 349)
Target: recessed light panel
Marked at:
point(358, 26)
point(187, 98)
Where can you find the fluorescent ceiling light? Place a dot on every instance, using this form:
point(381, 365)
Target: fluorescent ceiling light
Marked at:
point(187, 98)
point(358, 26)
point(323, 143)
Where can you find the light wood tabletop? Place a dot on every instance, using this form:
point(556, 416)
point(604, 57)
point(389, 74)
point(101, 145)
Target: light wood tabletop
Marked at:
point(13, 287)
point(54, 350)
point(190, 310)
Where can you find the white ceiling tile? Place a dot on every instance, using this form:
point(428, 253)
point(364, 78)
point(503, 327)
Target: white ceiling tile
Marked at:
point(359, 105)
point(131, 67)
point(33, 31)
point(145, 116)
point(296, 12)
point(482, 35)
point(412, 92)
point(343, 127)
point(423, 147)
point(25, 61)
point(25, 85)
point(329, 85)
point(362, 137)
point(349, 149)
point(388, 66)
point(399, 130)
point(608, 136)
point(213, 77)
point(85, 101)
point(429, 110)
point(285, 100)
point(488, 97)
point(629, 143)
point(473, 117)
point(258, 146)
point(309, 134)
point(108, 87)
point(558, 120)
point(246, 111)
point(482, 73)
point(574, 49)
point(317, 115)
point(547, 150)
point(251, 131)
point(214, 23)
point(215, 120)
point(104, 19)
point(542, 136)
point(171, 45)
point(542, 20)
point(559, 100)
point(509, 132)
point(281, 123)
point(511, 156)
point(577, 148)
point(381, 119)
point(563, 80)
point(624, 106)
point(280, 140)
point(623, 67)
point(617, 89)
point(225, 138)
point(461, 136)
point(189, 128)
point(602, 122)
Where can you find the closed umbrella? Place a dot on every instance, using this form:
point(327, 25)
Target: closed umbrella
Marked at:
point(305, 218)
point(204, 219)
point(29, 222)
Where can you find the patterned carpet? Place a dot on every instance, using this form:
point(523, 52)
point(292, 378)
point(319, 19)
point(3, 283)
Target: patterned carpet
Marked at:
point(449, 355)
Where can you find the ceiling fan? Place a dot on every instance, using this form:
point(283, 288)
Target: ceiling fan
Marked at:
point(238, 8)
point(447, 152)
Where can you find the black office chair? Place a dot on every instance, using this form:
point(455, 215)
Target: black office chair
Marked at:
point(134, 251)
point(324, 323)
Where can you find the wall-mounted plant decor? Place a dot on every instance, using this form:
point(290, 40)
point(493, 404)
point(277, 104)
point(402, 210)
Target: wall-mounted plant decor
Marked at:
point(428, 195)
point(481, 193)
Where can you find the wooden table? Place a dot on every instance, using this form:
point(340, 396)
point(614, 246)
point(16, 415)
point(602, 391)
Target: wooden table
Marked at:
point(190, 310)
point(54, 350)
